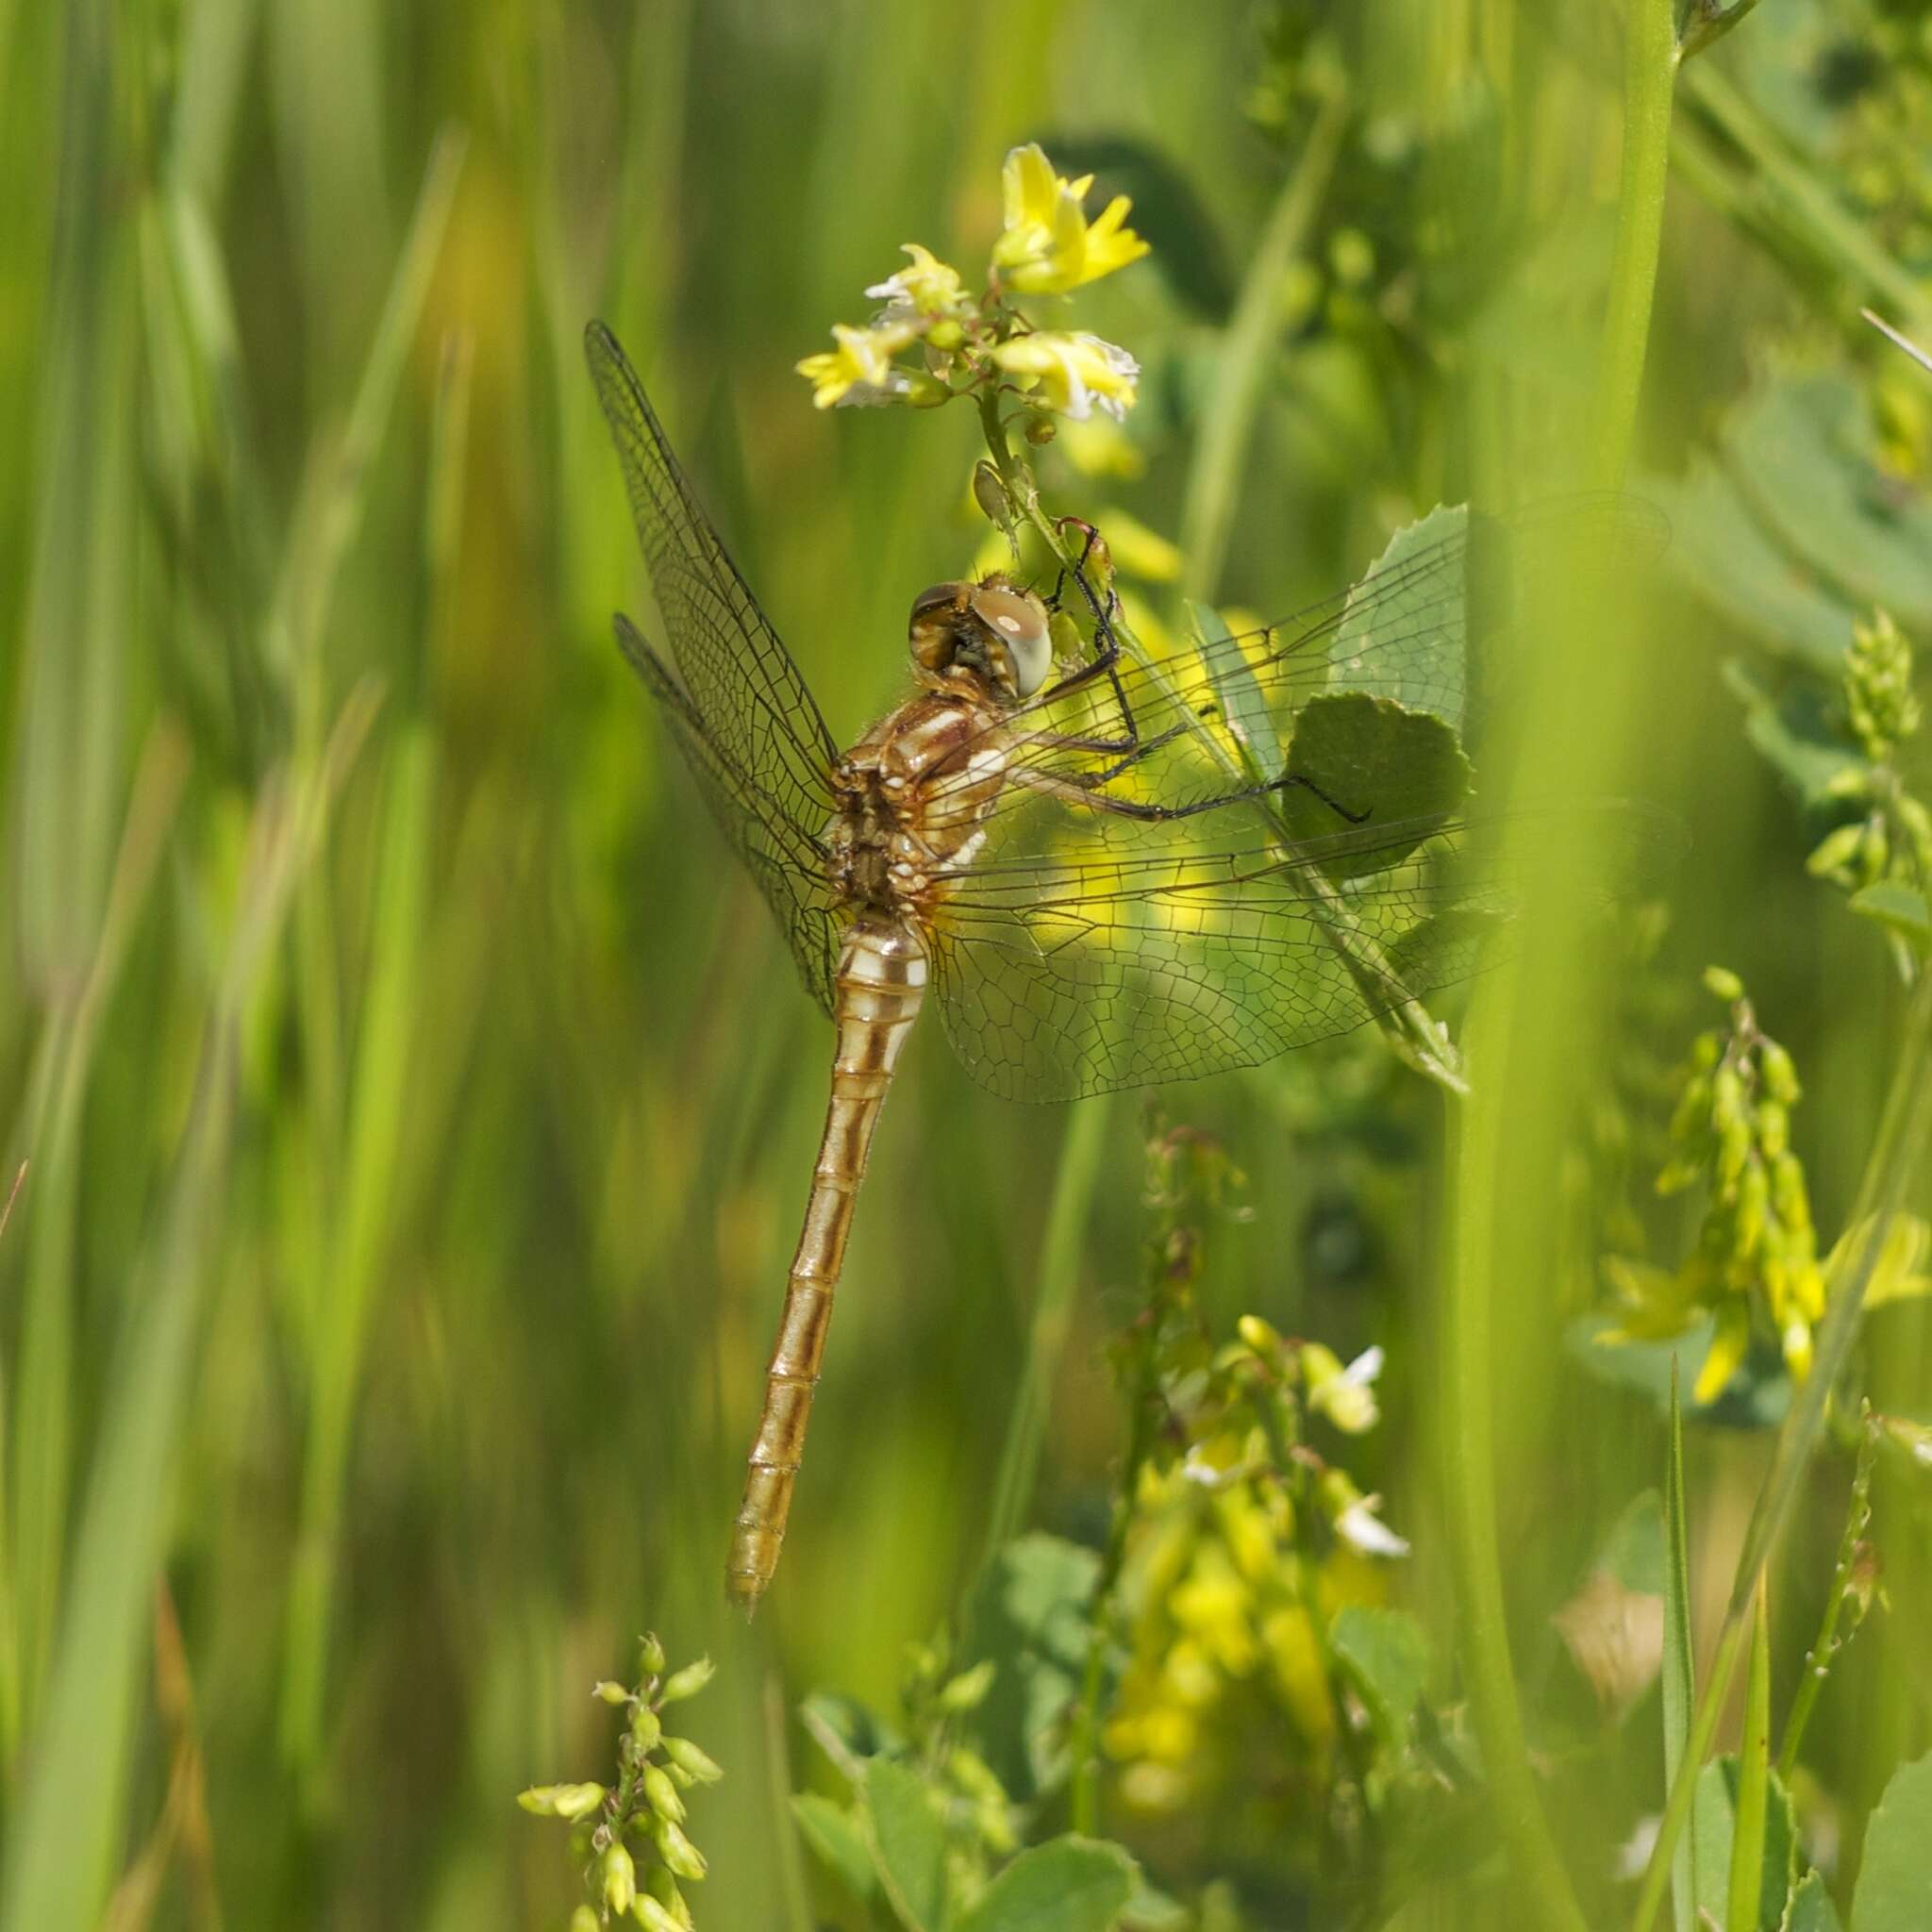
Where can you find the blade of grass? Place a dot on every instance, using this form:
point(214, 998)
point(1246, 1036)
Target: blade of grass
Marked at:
point(1753, 1777)
point(61, 1852)
point(361, 1225)
point(1059, 1272)
point(1679, 1687)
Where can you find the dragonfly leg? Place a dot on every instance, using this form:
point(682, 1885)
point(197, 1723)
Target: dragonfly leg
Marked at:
point(1082, 791)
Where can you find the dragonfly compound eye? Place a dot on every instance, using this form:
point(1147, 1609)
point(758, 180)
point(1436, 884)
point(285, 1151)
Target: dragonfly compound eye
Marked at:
point(1018, 620)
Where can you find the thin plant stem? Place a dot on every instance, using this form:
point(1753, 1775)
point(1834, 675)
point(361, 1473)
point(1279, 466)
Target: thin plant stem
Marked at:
point(1650, 66)
point(1817, 1659)
point(1208, 510)
point(1897, 1155)
point(1066, 1220)
point(1084, 1750)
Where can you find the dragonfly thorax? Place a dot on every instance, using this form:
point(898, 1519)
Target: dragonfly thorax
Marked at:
point(911, 795)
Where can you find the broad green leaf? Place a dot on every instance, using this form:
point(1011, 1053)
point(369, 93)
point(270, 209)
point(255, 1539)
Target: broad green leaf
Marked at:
point(1679, 1673)
point(1029, 1618)
point(1713, 1827)
point(847, 1731)
point(1371, 765)
point(1894, 1892)
point(1635, 1551)
point(1721, 550)
point(1811, 1909)
point(1899, 909)
point(1804, 452)
point(1249, 721)
point(1067, 1885)
point(1798, 734)
point(1421, 639)
point(1149, 1911)
point(1387, 1657)
point(1756, 1399)
point(839, 1838)
point(908, 1843)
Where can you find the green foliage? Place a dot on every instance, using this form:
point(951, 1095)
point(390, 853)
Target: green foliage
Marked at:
point(1721, 1827)
point(1895, 1890)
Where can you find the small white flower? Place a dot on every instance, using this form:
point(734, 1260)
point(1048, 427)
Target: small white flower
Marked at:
point(1361, 1529)
point(1346, 1396)
point(1633, 1856)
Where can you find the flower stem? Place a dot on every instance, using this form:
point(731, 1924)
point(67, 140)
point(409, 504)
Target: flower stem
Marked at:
point(1650, 68)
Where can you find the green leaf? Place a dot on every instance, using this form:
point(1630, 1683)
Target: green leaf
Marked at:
point(1894, 1892)
point(1797, 733)
point(1804, 452)
point(1149, 1911)
point(1757, 1398)
point(908, 1843)
point(1249, 721)
point(839, 1838)
point(1635, 1552)
point(1722, 551)
point(1356, 755)
point(1713, 1829)
point(1067, 1885)
point(1899, 909)
point(1811, 1909)
point(1421, 636)
point(1029, 1617)
point(1747, 1888)
point(847, 1731)
point(1680, 1672)
point(1387, 1659)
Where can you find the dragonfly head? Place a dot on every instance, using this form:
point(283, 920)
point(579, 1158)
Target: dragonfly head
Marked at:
point(992, 627)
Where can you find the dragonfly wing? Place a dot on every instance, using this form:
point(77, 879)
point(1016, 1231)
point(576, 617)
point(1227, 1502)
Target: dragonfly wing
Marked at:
point(1091, 967)
point(739, 708)
point(787, 866)
point(1429, 631)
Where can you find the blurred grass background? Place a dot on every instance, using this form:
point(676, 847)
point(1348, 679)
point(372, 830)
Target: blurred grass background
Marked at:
point(419, 1106)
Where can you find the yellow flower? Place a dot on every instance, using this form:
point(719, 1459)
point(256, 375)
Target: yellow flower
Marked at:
point(859, 373)
point(1072, 373)
point(929, 288)
point(1047, 246)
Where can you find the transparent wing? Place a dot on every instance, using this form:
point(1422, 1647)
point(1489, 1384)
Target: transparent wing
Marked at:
point(741, 713)
point(1431, 629)
point(1091, 969)
point(788, 867)
point(1261, 841)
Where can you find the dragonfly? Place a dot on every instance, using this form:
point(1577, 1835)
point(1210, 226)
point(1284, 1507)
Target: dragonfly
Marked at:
point(1100, 867)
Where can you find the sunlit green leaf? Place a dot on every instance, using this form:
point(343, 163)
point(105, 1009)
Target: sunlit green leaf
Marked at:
point(1387, 1657)
point(1894, 1892)
point(1067, 1885)
point(908, 1843)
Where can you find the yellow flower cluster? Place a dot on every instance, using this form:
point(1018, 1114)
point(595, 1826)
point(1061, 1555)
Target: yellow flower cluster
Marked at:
point(1047, 246)
point(1227, 1653)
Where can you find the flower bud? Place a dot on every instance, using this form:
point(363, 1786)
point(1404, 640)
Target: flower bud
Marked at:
point(688, 1681)
point(584, 1919)
point(687, 1757)
point(678, 1853)
point(1721, 982)
point(646, 1728)
point(650, 1655)
point(561, 1801)
point(661, 1795)
point(610, 1691)
point(967, 1692)
point(650, 1915)
point(620, 1879)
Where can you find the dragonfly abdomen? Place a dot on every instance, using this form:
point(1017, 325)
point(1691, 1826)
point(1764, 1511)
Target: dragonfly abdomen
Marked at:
point(880, 985)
